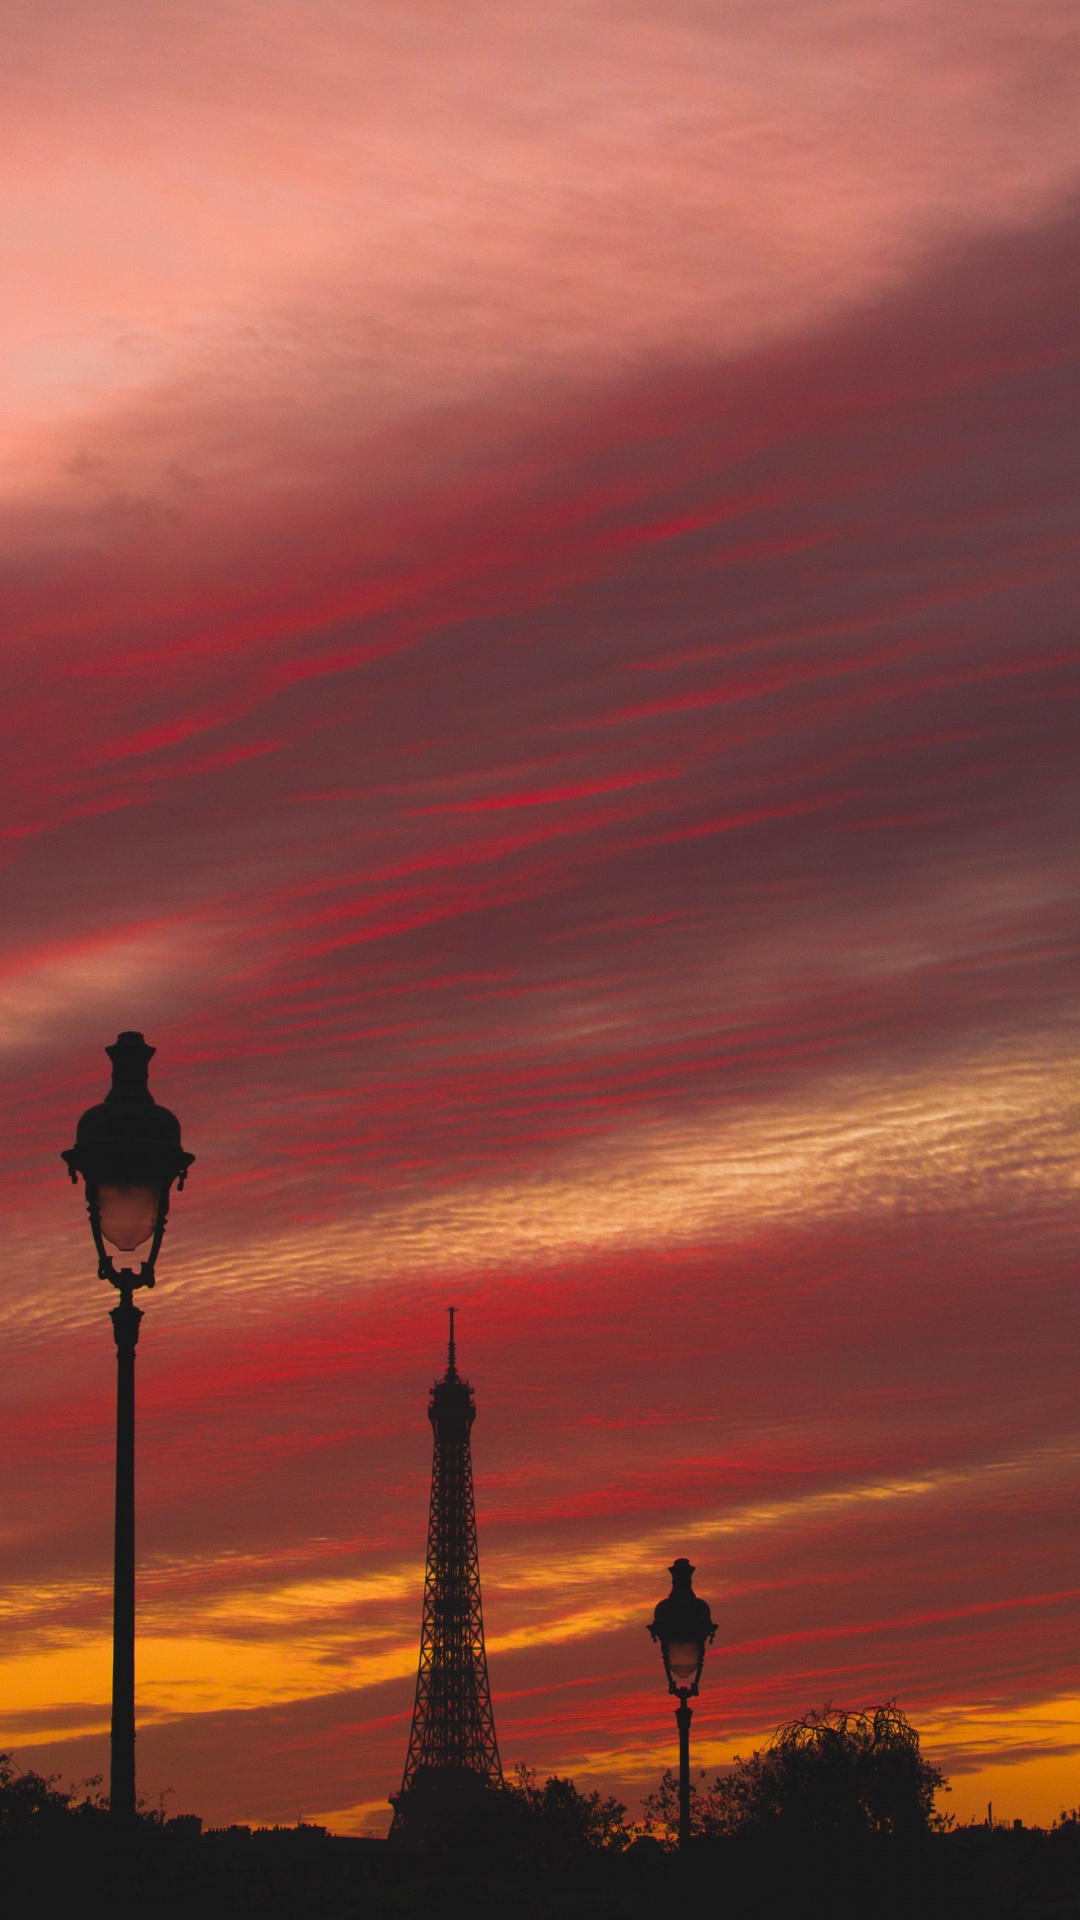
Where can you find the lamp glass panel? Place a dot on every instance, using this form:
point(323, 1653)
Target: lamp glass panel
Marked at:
point(127, 1215)
point(683, 1658)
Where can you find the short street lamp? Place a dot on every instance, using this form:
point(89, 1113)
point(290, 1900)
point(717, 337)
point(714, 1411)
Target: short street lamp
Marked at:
point(129, 1154)
point(683, 1624)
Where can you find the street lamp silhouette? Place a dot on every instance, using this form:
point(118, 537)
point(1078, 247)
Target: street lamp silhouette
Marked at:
point(129, 1154)
point(683, 1624)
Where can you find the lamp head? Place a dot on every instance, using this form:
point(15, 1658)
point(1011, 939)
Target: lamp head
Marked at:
point(682, 1625)
point(128, 1152)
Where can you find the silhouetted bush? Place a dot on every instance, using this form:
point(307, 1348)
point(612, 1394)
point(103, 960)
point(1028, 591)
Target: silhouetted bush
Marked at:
point(559, 1826)
point(831, 1776)
point(32, 1807)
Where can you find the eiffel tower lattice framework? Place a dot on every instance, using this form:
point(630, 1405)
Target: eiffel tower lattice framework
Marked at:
point(453, 1753)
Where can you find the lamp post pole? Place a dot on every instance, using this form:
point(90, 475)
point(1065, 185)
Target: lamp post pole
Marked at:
point(129, 1154)
point(125, 1319)
point(684, 1713)
point(683, 1626)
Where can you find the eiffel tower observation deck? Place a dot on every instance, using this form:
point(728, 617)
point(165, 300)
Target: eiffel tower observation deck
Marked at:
point(453, 1755)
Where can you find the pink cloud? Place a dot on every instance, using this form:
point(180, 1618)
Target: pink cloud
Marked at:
point(824, 868)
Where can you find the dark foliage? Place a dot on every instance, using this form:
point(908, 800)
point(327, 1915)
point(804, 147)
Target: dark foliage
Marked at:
point(662, 1810)
point(831, 1776)
point(34, 1808)
point(552, 1853)
point(546, 1828)
point(559, 1826)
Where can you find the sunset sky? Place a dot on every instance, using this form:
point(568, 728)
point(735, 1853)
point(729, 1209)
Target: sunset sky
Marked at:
point(539, 551)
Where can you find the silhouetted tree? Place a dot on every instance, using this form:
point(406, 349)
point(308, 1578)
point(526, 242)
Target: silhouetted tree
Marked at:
point(33, 1807)
point(560, 1825)
point(832, 1775)
point(662, 1809)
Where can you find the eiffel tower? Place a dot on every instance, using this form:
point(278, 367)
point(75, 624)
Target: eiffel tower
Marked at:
point(453, 1754)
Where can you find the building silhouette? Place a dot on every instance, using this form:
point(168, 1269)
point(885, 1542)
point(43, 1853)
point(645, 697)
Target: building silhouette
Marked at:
point(453, 1756)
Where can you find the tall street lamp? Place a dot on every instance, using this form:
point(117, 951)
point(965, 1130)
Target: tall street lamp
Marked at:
point(129, 1154)
point(683, 1624)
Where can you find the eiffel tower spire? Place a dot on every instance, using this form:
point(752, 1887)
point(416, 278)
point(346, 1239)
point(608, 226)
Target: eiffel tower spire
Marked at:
point(452, 1746)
